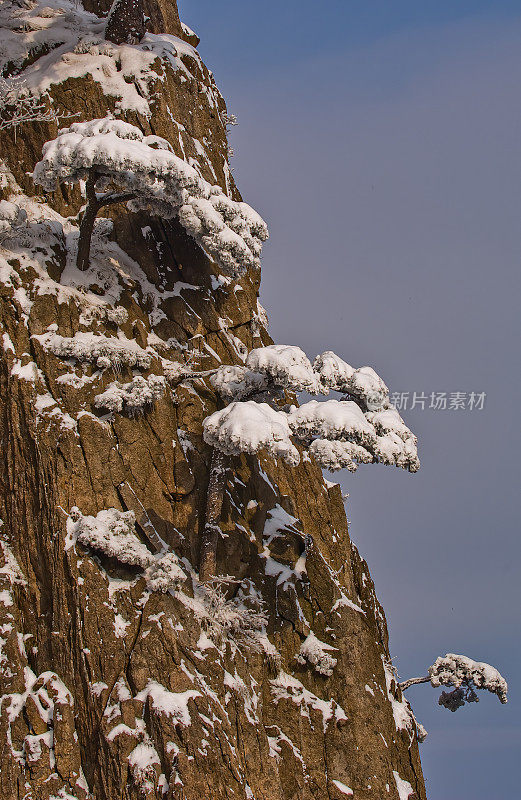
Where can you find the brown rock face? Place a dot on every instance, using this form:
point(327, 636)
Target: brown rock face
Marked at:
point(126, 22)
point(111, 688)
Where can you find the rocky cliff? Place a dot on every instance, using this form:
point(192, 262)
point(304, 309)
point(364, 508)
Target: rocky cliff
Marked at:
point(112, 685)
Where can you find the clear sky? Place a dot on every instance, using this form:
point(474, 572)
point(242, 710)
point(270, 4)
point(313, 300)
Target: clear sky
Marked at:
point(381, 142)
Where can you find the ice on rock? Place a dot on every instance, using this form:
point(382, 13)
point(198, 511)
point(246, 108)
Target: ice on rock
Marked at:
point(142, 761)
point(403, 716)
point(248, 427)
point(12, 217)
point(286, 365)
point(343, 788)
point(403, 787)
point(171, 704)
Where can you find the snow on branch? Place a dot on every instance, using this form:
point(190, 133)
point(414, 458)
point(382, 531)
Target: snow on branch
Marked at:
point(368, 389)
point(287, 366)
point(91, 347)
point(332, 419)
point(466, 676)
point(337, 455)
point(335, 373)
point(142, 171)
point(249, 427)
point(223, 618)
point(164, 573)
point(237, 382)
point(363, 384)
point(134, 396)
point(19, 106)
point(395, 443)
point(340, 434)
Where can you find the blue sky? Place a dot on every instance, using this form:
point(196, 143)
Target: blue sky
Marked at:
point(381, 142)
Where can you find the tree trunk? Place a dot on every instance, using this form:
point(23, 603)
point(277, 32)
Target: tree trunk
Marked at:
point(86, 228)
point(214, 503)
point(413, 681)
point(94, 204)
point(87, 224)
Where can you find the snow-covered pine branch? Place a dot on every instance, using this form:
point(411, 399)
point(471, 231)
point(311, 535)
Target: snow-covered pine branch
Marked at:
point(19, 106)
point(339, 433)
point(121, 165)
point(104, 351)
point(466, 676)
point(224, 619)
point(249, 427)
point(285, 366)
point(132, 397)
point(237, 382)
point(164, 573)
point(363, 384)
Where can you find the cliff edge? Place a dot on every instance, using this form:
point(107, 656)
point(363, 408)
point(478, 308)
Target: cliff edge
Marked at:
point(274, 684)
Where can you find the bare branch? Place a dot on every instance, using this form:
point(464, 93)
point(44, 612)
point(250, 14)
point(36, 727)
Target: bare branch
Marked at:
point(412, 681)
point(19, 106)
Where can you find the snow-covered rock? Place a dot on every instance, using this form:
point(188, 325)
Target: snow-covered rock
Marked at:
point(112, 532)
point(12, 217)
point(317, 654)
